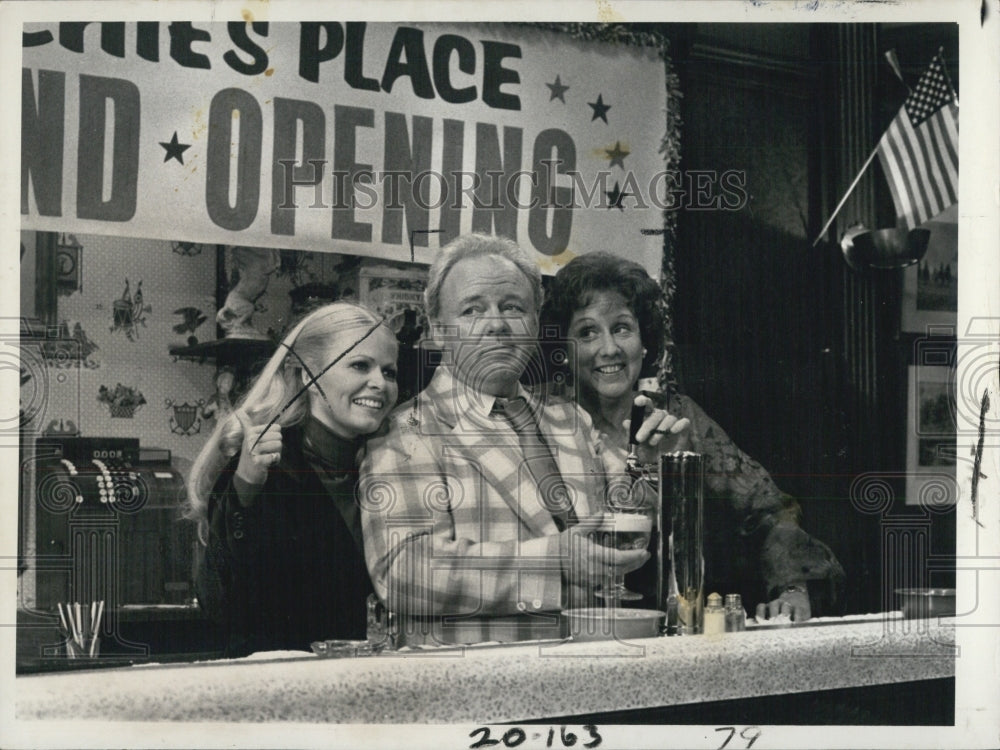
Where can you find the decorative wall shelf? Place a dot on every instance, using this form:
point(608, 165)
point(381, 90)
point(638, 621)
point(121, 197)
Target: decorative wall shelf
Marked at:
point(236, 353)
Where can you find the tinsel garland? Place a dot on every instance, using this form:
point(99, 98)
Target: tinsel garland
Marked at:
point(617, 33)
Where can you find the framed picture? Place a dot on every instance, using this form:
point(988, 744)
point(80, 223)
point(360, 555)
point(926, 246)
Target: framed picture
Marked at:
point(930, 437)
point(397, 294)
point(930, 288)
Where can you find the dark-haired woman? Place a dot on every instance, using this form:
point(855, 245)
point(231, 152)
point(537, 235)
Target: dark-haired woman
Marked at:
point(608, 307)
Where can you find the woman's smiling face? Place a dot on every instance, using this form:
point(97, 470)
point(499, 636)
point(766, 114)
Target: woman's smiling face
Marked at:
point(361, 388)
point(608, 347)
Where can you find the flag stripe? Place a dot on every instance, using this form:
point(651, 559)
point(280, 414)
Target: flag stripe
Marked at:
point(899, 195)
point(949, 116)
point(915, 145)
point(908, 161)
point(897, 180)
point(929, 168)
point(943, 138)
point(935, 167)
point(946, 166)
point(936, 170)
point(942, 156)
point(907, 209)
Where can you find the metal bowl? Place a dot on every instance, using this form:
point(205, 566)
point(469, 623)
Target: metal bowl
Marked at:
point(924, 603)
point(599, 623)
point(886, 248)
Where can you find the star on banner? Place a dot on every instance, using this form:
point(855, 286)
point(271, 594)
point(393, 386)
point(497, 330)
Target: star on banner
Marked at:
point(557, 90)
point(174, 149)
point(617, 155)
point(600, 109)
point(616, 196)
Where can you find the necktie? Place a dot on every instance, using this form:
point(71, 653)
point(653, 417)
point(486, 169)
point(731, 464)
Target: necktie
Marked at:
point(540, 463)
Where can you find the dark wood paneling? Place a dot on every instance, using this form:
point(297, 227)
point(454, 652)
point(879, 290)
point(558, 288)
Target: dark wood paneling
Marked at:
point(755, 318)
point(799, 358)
point(761, 318)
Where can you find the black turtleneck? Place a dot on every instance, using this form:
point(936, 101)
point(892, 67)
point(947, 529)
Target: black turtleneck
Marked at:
point(288, 567)
point(335, 460)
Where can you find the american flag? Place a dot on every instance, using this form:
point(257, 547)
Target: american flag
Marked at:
point(919, 151)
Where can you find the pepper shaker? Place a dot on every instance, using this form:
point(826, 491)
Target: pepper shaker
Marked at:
point(736, 616)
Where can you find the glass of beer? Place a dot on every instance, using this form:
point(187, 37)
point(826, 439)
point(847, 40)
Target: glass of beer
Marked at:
point(631, 512)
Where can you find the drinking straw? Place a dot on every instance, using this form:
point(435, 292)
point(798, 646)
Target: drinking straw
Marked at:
point(84, 627)
point(62, 619)
point(69, 619)
point(79, 624)
point(74, 632)
point(96, 626)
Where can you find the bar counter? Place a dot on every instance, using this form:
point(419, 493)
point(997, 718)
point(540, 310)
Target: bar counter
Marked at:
point(491, 684)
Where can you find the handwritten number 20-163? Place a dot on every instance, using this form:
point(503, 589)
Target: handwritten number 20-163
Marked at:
point(515, 736)
point(749, 733)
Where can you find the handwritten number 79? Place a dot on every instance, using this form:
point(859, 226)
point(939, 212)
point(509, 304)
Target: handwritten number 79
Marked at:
point(749, 733)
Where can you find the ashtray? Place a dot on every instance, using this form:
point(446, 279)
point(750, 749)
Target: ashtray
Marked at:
point(924, 603)
point(604, 623)
point(341, 649)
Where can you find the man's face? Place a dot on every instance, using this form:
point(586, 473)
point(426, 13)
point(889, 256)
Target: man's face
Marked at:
point(488, 323)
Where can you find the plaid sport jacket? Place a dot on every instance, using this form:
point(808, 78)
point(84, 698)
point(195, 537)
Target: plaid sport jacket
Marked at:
point(457, 542)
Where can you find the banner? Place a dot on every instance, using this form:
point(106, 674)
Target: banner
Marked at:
point(377, 139)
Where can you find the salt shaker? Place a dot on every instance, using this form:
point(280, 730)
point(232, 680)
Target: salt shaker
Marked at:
point(715, 616)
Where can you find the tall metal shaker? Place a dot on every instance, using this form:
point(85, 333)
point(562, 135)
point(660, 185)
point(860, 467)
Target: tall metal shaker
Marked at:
point(681, 569)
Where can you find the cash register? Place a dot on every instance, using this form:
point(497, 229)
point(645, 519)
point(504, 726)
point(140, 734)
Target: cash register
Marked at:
point(103, 522)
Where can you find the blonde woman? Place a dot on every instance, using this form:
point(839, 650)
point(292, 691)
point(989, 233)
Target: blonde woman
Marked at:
point(273, 488)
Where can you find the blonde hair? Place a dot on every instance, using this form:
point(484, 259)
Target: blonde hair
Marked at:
point(316, 340)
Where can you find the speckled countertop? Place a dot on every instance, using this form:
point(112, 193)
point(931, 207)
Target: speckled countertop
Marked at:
point(501, 683)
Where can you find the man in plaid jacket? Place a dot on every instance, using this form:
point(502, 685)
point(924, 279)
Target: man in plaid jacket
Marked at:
point(460, 539)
